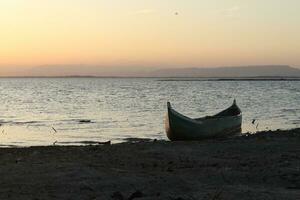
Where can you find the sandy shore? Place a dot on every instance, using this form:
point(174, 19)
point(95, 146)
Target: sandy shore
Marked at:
point(262, 166)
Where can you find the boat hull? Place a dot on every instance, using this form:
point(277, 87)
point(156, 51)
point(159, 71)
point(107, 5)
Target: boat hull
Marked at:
point(180, 127)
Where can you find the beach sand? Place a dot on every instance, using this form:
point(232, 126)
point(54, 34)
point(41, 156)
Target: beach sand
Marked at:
point(261, 166)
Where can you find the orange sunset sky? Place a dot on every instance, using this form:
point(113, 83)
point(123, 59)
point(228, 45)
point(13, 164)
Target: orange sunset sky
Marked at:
point(146, 34)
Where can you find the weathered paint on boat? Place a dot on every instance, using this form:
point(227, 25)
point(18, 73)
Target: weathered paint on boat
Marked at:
point(223, 124)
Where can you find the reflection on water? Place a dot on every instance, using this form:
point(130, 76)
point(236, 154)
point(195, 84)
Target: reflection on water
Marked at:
point(43, 111)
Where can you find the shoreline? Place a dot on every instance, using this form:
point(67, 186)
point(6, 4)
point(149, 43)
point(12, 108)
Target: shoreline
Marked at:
point(265, 165)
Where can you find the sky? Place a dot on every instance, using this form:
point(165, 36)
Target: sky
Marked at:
point(145, 34)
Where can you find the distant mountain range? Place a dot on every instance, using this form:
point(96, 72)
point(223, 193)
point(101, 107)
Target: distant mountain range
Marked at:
point(242, 71)
point(219, 72)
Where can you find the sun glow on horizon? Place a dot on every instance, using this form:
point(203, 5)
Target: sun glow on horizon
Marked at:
point(149, 33)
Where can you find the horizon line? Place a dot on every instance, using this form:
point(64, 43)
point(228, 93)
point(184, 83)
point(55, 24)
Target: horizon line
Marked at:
point(180, 77)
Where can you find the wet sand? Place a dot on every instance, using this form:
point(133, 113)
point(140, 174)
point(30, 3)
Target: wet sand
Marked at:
point(261, 166)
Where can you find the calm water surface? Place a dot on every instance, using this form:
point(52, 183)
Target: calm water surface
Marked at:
point(41, 111)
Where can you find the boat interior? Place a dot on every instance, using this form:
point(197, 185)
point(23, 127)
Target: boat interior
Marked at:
point(231, 111)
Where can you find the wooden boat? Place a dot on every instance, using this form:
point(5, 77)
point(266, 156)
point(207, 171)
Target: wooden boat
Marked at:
point(224, 124)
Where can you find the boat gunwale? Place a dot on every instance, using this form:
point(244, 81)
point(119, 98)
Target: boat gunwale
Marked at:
point(197, 120)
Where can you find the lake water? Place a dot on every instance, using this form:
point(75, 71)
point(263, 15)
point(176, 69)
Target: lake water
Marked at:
point(43, 111)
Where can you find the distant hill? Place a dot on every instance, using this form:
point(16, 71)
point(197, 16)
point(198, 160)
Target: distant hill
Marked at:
point(243, 71)
point(103, 71)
